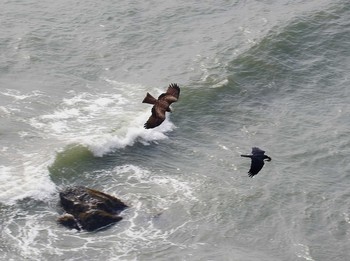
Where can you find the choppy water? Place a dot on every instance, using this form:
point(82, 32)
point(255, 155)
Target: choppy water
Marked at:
point(273, 74)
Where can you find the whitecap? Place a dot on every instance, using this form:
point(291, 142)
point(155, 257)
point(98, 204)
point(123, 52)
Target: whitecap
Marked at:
point(103, 144)
point(28, 180)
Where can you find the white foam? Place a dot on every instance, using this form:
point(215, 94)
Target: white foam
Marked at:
point(104, 143)
point(303, 251)
point(149, 195)
point(17, 95)
point(4, 110)
point(137, 176)
point(26, 180)
point(220, 84)
point(63, 114)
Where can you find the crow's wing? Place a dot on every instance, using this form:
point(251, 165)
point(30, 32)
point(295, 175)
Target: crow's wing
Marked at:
point(257, 151)
point(255, 166)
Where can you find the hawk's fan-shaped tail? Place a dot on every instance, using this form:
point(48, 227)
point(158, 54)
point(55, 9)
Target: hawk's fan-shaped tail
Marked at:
point(149, 99)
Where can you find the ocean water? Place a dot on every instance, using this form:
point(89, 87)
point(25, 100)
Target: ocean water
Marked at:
point(272, 74)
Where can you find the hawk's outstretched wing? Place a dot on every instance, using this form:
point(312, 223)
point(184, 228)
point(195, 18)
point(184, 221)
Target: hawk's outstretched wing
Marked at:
point(155, 119)
point(173, 90)
point(171, 95)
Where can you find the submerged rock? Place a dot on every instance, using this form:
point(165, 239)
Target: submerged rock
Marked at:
point(89, 209)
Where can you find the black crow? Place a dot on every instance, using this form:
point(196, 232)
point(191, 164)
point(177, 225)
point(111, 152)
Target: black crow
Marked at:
point(258, 156)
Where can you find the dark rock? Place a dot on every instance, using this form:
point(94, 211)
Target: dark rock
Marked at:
point(89, 209)
point(69, 221)
point(95, 219)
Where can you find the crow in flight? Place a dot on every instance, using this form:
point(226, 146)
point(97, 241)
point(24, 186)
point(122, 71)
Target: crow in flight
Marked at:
point(258, 156)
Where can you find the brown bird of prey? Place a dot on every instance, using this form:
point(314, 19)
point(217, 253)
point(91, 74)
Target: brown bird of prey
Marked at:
point(161, 105)
point(258, 156)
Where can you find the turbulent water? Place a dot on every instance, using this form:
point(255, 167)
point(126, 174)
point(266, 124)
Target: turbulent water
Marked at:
point(273, 74)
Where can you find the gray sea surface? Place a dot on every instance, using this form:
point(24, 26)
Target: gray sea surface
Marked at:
point(273, 74)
